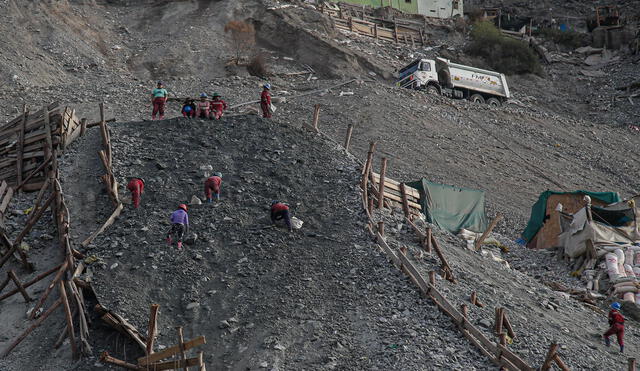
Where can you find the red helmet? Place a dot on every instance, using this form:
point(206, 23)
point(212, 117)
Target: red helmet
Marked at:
point(183, 207)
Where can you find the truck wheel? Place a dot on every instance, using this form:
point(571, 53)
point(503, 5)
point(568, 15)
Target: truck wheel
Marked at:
point(494, 102)
point(433, 90)
point(477, 98)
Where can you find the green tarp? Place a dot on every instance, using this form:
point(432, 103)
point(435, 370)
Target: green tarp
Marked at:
point(452, 208)
point(539, 209)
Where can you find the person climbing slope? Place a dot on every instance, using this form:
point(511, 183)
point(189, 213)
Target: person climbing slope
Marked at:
point(189, 108)
point(280, 211)
point(202, 107)
point(159, 98)
point(136, 186)
point(212, 186)
point(179, 225)
point(265, 101)
point(616, 321)
point(217, 106)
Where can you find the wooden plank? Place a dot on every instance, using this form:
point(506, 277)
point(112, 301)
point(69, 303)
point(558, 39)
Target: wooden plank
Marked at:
point(151, 358)
point(171, 365)
point(395, 185)
point(109, 221)
point(20, 146)
point(387, 249)
point(486, 233)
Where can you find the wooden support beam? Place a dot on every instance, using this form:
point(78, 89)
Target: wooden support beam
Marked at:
point(405, 201)
point(316, 117)
point(560, 363)
point(181, 345)
point(445, 265)
point(546, 365)
point(347, 140)
point(383, 171)
point(498, 321)
point(426, 241)
point(203, 367)
point(12, 275)
point(153, 327)
point(106, 358)
point(33, 281)
point(381, 228)
point(632, 364)
point(69, 318)
point(33, 173)
point(47, 291)
point(20, 338)
point(486, 233)
point(20, 144)
point(109, 221)
point(507, 324)
point(166, 353)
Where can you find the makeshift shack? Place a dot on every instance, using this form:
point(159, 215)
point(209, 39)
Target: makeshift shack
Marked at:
point(452, 208)
point(544, 224)
point(609, 235)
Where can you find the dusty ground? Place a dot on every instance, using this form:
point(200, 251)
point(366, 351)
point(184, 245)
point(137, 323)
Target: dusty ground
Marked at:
point(561, 132)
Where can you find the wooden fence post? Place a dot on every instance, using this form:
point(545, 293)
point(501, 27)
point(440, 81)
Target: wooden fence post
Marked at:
point(347, 141)
point(383, 171)
point(381, 228)
point(83, 127)
point(550, 356)
point(486, 233)
point(316, 117)
point(405, 201)
point(632, 364)
point(153, 327)
point(181, 345)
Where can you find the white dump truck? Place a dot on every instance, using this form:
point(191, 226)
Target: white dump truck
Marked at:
point(440, 76)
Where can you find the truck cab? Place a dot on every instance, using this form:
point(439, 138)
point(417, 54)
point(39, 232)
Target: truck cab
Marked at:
point(419, 74)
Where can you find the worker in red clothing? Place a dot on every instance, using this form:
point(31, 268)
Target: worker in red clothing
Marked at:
point(202, 107)
point(265, 101)
point(159, 98)
point(280, 211)
point(136, 186)
point(212, 187)
point(217, 106)
point(616, 321)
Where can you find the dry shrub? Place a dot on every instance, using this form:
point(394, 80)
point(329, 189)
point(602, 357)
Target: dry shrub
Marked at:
point(242, 37)
point(502, 53)
point(257, 66)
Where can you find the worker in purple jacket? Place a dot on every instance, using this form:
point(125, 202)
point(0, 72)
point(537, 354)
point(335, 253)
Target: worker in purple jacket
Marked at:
point(179, 225)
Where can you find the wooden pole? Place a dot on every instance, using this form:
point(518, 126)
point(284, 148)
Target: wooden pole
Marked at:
point(370, 205)
point(507, 324)
point(381, 228)
point(33, 173)
point(106, 358)
point(5, 282)
point(486, 233)
point(632, 364)
point(83, 127)
point(445, 265)
point(550, 356)
point(14, 278)
point(69, 317)
point(20, 144)
point(499, 323)
point(316, 117)
point(181, 345)
point(563, 366)
point(203, 367)
point(31, 328)
point(432, 277)
point(153, 327)
point(405, 201)
point(465, 310)
point(37, 279)
point(503, 339)
point(372, 148)
point(347, 141)
point(427, 240)
point(46, 292)
point(383, 171)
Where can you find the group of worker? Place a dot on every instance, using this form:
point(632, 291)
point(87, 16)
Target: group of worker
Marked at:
point(179, 218)
point(204, 108)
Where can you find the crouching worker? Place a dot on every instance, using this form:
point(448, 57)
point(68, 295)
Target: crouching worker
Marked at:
point(189, 108)
point(212, 187)
point(136, 186)
point(202, 107)
point(280, 211)
point(616, 321)
point(179, 225)
point(217, 106)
